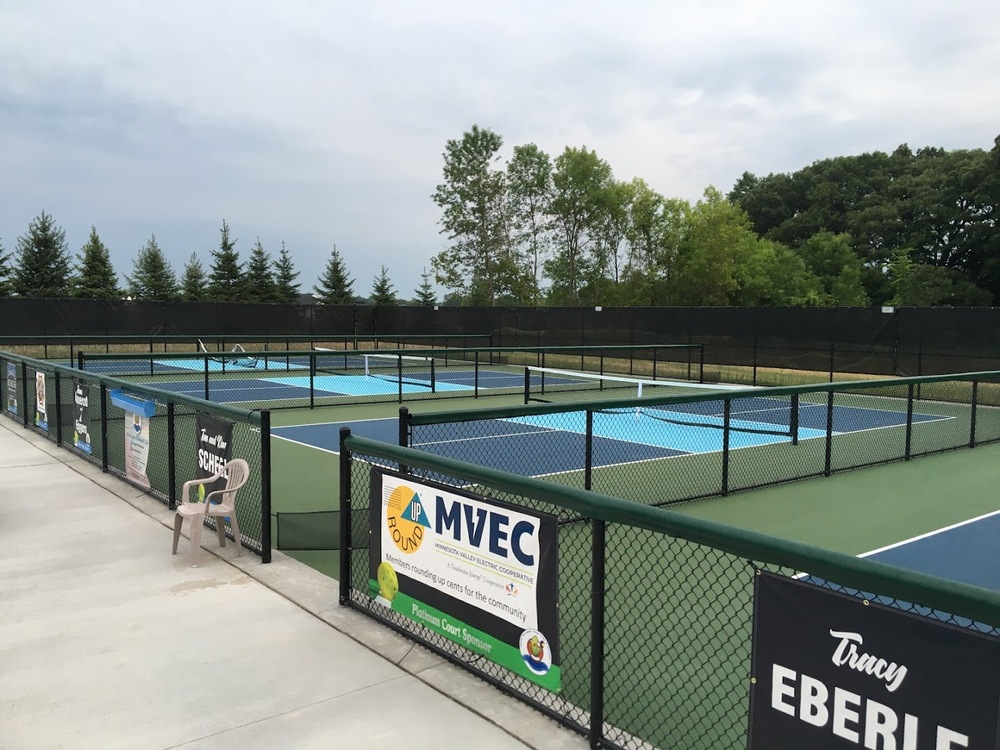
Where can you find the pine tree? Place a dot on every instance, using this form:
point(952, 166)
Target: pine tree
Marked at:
point(335, 286)
point(95, 277)
point(4, 273)
point(152, 277)
point(382, 291)
point(193, 281)
point(43, 260)
point(285, 289)
point(259, 279)
point(425, 292)
point(225, 280)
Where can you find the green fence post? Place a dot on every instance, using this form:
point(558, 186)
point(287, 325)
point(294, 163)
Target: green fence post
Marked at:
point(598, 564)
point(345, 516)
point(265, 486)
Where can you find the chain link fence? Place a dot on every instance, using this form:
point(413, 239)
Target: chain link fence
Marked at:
point(148, 437)
point(668, 449)
point(655, 609)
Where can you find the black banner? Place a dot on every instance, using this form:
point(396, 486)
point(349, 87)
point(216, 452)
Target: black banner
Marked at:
point(81, 416)
point(833, 671)
point(214, 446)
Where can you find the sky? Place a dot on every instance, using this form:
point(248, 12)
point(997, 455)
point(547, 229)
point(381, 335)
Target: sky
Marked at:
point(322, 124)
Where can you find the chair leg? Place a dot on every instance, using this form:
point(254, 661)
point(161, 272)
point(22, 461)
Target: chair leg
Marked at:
point(196, 525)
point(236, 534)
point(178, 521)
point(220, 529)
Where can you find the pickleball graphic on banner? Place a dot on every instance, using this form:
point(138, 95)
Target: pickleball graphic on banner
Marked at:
point(41, 415)
point(137, 413)
point(81, 416)
point(214, 446)
point(12, 388)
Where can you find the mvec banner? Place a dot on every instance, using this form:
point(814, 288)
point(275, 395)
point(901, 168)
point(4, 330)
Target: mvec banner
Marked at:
point(477, 571)
point(834, 671)
point(12, 388)
point(214, 446)
point(41, 408)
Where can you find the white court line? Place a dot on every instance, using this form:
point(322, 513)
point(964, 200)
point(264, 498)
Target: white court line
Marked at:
point(929, 534)
point(307, 445)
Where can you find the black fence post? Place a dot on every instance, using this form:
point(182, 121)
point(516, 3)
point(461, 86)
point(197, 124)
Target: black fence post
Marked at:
point(726, 411)
point(588, 460)
point(345, 515)
point(58, 406)
point(404, 432)
point(972, 419)
point(829, 434)
point(265, 486)
point(313, 364)
point(79, 360)
point(793, 422)
point(104, 427)
point(596, 633)
point(909, 421)
point(24, 393)
point(171, 459)
point(206, 376)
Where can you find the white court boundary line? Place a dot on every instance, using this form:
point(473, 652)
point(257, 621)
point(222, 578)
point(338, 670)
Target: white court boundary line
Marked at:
point(929, 534)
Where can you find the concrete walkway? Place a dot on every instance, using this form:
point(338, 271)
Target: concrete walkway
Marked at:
point(108, 641)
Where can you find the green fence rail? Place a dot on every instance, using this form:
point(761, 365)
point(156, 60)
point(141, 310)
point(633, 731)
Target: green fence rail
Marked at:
point(146, 436)
point(656, 609)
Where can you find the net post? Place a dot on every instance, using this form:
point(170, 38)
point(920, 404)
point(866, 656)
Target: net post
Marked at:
point(726, 411)
point(972, 417)
point(701, 364)
point(265, 486)
point(399, 374)
point(793, 420)
point(79, 360)
point(313, 366)
point(433, 376)
point(527, 385)
point(171, 459)
point(909, 421)
point(829, 434)
point(475, 374)
point(345, 517)
point(597, 627)
point(206, 376)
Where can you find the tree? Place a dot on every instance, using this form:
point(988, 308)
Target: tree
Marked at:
point(475, 217)
point(259, 279)
point(285, 288)
point(152, 277)
point(529, 179)
point(95, 277)
point(833, 261)
point(656, 228)
point(580, 182)
point(225, 280)
point(425, 292)
point(920, 285)
point(382, 291)
point(335, 285)
point(43, 260)
point(4, 273)
point(193, 280)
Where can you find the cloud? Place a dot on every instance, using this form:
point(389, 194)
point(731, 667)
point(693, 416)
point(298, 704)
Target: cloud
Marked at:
point(323, 123)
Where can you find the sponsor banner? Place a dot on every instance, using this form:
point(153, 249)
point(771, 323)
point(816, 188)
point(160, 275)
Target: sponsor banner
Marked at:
point(81, 416)
point(41, 413)
point(214, 446)
point(11, 387)
point(137, 413)
point(474, 570)
point(834, 671)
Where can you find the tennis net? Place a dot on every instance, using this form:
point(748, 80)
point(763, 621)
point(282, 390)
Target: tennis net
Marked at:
point(396, 368)
point(758, 415)
point(237, 356)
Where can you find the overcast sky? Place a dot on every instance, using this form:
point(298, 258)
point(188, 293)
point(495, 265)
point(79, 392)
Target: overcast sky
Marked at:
point(323, 123)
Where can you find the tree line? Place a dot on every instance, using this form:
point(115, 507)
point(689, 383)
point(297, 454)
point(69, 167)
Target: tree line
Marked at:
point(42, 266)
point(907, 228)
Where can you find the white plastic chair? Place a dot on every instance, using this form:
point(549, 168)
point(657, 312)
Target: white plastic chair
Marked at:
point(218, 504)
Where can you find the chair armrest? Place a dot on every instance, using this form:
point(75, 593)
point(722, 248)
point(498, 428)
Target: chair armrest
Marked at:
point(186, 487)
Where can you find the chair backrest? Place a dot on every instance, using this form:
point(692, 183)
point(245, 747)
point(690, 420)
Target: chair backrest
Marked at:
point(237, 474)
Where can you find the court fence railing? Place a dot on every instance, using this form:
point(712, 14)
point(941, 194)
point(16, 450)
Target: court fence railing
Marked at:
point(663, 450)
point(102, 418)
point(655, 608)
point(416, 371)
